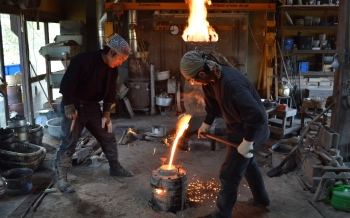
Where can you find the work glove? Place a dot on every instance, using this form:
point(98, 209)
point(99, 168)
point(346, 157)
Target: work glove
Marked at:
point(204, 128)
point(106, 120)
point(245, 147)
point(69, 111)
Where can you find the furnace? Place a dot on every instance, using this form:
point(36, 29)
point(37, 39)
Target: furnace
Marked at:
point(168, 188)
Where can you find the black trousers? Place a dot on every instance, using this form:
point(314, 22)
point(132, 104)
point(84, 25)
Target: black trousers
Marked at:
point(89, 116)
point(232, 171)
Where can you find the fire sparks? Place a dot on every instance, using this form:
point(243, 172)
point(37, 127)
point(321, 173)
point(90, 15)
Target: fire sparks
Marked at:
point(181, 127)
point(199, 191)
point(198, 29)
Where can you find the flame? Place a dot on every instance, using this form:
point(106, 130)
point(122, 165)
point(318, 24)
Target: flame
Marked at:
point(158, 191)
point(181, 127)
point(131, 131)
point(198, 29)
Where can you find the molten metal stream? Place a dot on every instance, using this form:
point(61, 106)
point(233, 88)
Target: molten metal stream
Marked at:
point(182, 126)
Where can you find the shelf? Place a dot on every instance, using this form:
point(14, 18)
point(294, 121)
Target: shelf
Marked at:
point(309, 52)
point(323, 28)
point(308, 8)
point(316, 73)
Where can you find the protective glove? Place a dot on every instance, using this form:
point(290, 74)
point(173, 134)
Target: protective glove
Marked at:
point(204, 128)
point(106, 120)
point(69, 111)
point(245, 147)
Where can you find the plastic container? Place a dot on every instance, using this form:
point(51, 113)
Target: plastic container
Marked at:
point(54, 127)
point(339, 197)
point(12, 69)
point(303, 66)
point(288, 44)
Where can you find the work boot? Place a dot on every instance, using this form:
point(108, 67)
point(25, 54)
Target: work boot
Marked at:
point(254, 203)
point(115, 169)
point(61, 166)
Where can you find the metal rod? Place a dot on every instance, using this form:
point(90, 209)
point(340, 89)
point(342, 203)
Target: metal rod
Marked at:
point(153, 98)
point(207, 135)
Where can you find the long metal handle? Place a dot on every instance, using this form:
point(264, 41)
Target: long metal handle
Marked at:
point(207, 135)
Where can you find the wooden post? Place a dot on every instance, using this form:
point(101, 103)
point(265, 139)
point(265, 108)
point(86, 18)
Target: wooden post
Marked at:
point(340, 121)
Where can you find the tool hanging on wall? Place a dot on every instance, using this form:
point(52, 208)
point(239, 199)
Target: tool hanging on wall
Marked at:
point(268, 66)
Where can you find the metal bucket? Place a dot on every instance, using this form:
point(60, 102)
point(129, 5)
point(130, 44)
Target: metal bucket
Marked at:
point(36, 133)
point(159, 130)
point(281, 151)
point(19, 179)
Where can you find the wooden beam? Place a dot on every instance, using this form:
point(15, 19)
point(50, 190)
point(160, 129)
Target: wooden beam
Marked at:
point(340, 121)
point(183, 6)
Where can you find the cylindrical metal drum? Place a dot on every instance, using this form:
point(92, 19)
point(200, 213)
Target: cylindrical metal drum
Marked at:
point(138, 94)
point(14, 94)
point(168, 189)
point(36, 133)
point(138, 70)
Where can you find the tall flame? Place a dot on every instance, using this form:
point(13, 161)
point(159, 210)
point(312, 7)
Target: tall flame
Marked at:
point(198, 29)
point(181, 127)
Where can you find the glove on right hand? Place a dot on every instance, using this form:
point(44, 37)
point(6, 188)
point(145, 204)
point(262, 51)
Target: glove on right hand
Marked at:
point(245, 147)
point(204, 128)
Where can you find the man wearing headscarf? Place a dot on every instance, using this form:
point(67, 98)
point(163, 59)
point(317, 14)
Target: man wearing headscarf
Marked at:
point(91, 77)
point(227, 90)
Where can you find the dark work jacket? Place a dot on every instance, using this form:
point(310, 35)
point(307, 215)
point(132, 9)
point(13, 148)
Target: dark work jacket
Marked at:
point(88, 78)
point(240, 104)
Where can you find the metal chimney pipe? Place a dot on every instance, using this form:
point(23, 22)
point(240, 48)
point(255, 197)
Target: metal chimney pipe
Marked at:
point(132, 21)
point(153, 94)
point(101, 17)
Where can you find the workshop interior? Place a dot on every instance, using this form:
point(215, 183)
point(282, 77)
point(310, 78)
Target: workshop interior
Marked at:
point(294, 53)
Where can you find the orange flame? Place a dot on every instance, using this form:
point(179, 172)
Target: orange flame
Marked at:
point(159, 191)
point(181, 127)
point(198, 29)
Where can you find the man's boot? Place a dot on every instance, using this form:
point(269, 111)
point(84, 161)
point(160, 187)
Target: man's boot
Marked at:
point(115, 169)
point(61, 174)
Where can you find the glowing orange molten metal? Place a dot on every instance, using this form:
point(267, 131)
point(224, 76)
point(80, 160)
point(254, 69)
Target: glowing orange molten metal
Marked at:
point(181, 127)
point(198, 29)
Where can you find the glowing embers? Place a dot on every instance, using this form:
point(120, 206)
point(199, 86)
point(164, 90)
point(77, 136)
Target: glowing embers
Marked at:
point(168, 188)
point(198, 29)
point(203, 191)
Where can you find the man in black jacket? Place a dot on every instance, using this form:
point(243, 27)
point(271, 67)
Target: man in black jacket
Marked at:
point(90, 78)
point(227, 90)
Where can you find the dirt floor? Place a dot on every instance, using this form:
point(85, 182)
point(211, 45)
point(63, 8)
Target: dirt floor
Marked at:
point(100, 195)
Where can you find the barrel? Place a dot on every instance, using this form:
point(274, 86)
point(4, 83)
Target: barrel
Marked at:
point(139, 94)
